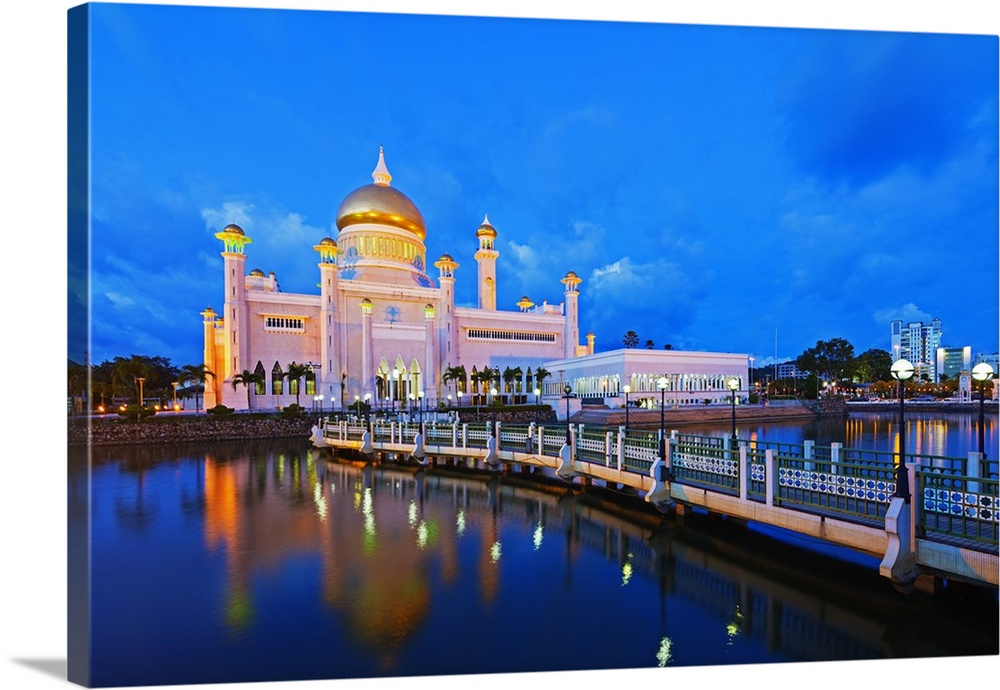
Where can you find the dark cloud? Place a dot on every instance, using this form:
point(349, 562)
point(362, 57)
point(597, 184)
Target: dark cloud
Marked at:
point(889, 100)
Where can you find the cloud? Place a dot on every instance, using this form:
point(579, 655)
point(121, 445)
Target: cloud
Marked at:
point(907, 313)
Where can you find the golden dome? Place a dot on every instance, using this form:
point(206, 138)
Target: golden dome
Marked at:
point(233, 228)
point(381, 204)
point(257, 272)
point(328, 241)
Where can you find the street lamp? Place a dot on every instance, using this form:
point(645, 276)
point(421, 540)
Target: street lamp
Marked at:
point(568, 390)
point(458, 415)
point(319, 399)
point(141, 380)
point(421, 396)
point(902, 370)
point(493, 407)
point(177, 383)
point(733, 384)
point(627, 389)
point(368, 396)
point(661, 383)
point(409, 416)
point(537, 393)
point(981, 372)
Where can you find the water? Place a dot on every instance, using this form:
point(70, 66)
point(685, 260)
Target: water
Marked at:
point(269, 561)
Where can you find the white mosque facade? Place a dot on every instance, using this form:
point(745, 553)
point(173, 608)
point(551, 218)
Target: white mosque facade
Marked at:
point(381, 328)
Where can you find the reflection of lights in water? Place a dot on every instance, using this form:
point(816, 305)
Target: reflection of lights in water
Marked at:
point(460, 522)
point(663, 655)
point(627, 570)
point(357, 501)
point(422, 533)
point(320, 502)
point(536, 538)
point(368, 510)
point(411, 514)
point(733, 626)
point(495, 552)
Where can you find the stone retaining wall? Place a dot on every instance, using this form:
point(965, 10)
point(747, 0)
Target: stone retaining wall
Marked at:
point(108, 432)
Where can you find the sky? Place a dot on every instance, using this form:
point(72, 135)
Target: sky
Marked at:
point(718, 188)
point(676, 162)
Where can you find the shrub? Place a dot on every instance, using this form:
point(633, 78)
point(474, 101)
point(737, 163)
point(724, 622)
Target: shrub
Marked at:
point(134, 412)
point(292, 410)
point(220, 410)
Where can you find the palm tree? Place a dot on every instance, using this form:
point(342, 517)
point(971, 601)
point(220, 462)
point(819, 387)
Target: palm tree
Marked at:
point(650, 345)
point(127, 373)
point(199, 375)
point(247, 379)
point(541, 373)
point(512, 377)
point(295, 373)
point(485, 377)
point(631, 339)
point(454, 374)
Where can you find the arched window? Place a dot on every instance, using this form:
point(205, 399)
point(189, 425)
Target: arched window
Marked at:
point(258, 387)
point(277, 377)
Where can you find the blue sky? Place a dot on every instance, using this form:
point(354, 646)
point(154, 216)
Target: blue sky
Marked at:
point(739, 189)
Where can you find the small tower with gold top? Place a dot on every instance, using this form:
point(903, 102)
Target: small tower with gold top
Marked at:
point(448, 345)
point(572, 313)
point(234, 315)
point(486, 257)
point(329, 358)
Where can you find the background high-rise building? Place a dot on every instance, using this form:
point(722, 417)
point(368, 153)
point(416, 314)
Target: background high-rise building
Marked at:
point(951, 361)
point(917, 342)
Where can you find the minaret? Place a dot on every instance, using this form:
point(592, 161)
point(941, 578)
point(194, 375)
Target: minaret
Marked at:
point(234, 315)
point(430, 382)
point(486, 257)
point(448, 344)
point(210, 397)
point(367, 352)
point(329, 344)
point(572, 313)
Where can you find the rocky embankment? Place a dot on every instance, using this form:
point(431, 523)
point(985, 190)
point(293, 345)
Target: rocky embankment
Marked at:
point(153, 430)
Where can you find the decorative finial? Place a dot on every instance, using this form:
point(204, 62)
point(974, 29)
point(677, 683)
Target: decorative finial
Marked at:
point(381, 174)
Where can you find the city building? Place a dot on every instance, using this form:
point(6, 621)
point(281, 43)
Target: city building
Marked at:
point(788, 370)
point(951, 361)
point(917, 342)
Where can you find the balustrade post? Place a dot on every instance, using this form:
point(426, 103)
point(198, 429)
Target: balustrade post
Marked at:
point(973, 468)
point(808, 453)
point(744, 472)
point(621, 448)
point(496, 433)
point(541, 436)
point(835, 459)
point(465, 434)
point(770, 476)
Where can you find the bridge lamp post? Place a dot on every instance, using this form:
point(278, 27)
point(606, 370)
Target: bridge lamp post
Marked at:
point(568, 393)
point(368, 397)
point(319, 398)
point(411, 398)
point(661, 383)
point(981, 372)
point(902, 370)
point(733, 384)
point(537, 393)
point(421, 396)
point(627, 389)
point(458, 415)
point(493, 407)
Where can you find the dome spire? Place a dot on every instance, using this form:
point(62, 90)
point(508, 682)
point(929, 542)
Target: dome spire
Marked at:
point(381, 174)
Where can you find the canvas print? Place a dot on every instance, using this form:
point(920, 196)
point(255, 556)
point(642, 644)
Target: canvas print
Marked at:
point(408, 346)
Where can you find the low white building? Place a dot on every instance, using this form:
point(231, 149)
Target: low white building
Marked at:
point(691, 377)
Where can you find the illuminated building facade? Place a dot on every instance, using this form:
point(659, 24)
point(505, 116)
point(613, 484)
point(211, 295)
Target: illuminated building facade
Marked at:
point(918, 343)
point(381, 328)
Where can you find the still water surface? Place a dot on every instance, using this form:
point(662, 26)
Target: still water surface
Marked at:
point(269, 560)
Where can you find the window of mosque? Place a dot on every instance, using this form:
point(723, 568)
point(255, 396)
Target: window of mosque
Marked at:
point(287, 324)
point(516, 336)
point(258, 386)
point(277, 378)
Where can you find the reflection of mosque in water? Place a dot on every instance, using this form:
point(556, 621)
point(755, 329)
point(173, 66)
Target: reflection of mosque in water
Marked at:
point(385, 535)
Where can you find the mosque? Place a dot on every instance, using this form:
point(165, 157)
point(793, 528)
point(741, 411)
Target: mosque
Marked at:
point(381, 330)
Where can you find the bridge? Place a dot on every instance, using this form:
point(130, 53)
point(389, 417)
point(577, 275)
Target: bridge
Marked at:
point(946, 529)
